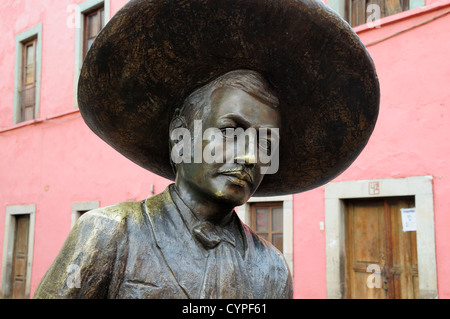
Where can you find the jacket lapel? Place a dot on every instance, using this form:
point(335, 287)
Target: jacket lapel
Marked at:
point(258, 260)
point(182, 254)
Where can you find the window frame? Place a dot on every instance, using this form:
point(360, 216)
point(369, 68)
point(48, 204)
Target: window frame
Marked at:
point(24, 76)
point(86, 16)
point(270, 231)
point(21, 40)
point(244, 214)
point(81, 11)
point(79, 207)
point(8, 246)
point(341, 7)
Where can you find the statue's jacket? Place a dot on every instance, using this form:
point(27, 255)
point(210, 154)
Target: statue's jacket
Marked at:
point(145, 250)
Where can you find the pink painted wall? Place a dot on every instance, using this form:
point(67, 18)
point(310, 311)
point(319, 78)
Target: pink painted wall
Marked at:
point(59, 154)
point(63, 154)
point(89, 170)
point(410, 139)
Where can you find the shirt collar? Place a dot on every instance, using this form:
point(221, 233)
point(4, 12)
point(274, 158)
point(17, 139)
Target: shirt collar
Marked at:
point(208, 234)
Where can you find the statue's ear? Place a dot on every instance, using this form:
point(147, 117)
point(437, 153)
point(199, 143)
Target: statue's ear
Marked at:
point(178, 121)
point(178, 132)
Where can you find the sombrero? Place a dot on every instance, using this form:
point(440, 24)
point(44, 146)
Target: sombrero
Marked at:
point(153, 54)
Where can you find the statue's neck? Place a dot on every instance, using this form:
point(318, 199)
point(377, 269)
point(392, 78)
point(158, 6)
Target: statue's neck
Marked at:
point(202, 206)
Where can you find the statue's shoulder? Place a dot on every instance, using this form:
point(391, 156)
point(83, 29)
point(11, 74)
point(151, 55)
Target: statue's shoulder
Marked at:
point(159, 204)
point(114, 214)
point(128, 212)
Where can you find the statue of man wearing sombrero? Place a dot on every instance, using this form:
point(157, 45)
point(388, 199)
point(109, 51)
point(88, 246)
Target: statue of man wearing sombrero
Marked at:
point(163, 73)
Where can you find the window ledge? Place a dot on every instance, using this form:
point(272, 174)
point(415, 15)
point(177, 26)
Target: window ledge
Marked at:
point(37, 121)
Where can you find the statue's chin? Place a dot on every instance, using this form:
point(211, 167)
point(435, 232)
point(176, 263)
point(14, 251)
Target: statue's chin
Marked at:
point(233, 196)
point(225, 190)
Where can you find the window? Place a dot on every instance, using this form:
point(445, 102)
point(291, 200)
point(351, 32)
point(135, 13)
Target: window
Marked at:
point(357, 12)
point(267, 222)
point(90, 17)
point(28, 83)
point(80, 208)
point(93, 24)
point(247, 213)
point(27, 75)
point(18, 251)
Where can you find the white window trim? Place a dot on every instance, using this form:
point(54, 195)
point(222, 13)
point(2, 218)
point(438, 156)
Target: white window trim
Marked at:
point(20, 39)
point(8, 246)
point(244, 213)
point(82, 207)
point(80, 11)
point(338, 6)
point(418, 186)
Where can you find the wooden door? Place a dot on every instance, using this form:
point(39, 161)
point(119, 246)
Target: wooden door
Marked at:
point(381, 259)
point(20, 257)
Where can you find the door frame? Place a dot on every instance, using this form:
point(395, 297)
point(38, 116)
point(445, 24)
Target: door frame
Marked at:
point(421, 187)
point(8, 247)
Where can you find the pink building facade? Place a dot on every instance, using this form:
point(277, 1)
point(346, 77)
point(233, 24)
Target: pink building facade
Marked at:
point(54, 168)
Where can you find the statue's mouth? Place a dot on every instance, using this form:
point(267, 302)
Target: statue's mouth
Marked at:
point(239, 176)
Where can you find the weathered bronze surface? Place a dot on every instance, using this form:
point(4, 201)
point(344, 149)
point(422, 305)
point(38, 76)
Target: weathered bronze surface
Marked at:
point(160, 65)
point(135, 250)
point(186, 242)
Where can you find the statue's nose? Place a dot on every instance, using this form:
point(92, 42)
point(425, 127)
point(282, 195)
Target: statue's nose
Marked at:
point(246, 155)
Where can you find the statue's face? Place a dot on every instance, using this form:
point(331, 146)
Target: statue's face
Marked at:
point(232, 183)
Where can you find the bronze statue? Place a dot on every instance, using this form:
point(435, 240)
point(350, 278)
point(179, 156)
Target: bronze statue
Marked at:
point(291, 68)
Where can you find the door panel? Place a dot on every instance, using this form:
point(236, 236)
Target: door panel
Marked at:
point(375, 240)
point(368, 227)
point(20, 257)
point(404, 266)
point(365, 246)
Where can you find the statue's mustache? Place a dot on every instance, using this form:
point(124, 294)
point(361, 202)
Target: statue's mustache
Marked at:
point(240, 172)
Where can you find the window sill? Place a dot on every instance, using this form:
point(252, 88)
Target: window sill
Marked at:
point(37, 121)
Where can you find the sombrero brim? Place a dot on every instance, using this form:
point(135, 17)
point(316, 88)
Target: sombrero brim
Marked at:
point(152, 54)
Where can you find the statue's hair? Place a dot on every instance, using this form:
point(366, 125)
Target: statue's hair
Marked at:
point(248, 81)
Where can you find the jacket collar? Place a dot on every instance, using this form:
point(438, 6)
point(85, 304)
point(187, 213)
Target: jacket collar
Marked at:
point(171, 221)
point(206, 233)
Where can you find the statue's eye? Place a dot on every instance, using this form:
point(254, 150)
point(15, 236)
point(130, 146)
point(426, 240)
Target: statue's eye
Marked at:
point(265, 144)
point(228, 132)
